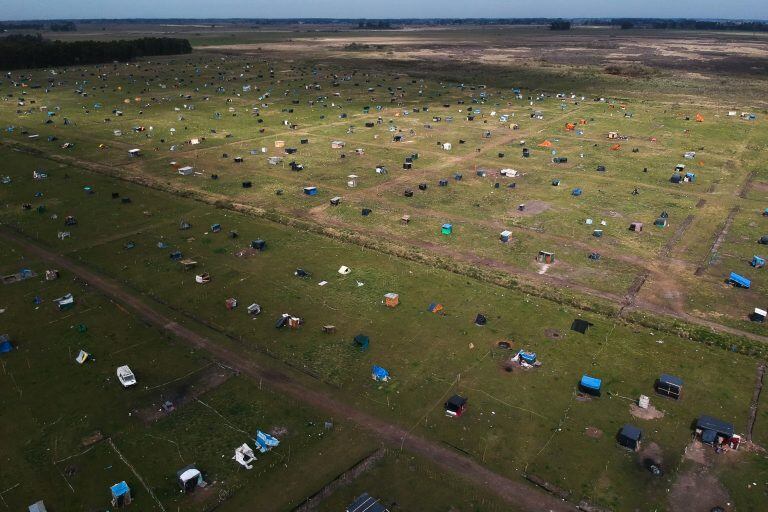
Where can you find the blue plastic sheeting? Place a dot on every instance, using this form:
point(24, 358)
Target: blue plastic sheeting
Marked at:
point(379, 373)
point(120, 489)
point(591, 382)
point(739, 280)
point(265, 442)
point(5, 347)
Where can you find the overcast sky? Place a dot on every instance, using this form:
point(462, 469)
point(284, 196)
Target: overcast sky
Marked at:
point(73, 9)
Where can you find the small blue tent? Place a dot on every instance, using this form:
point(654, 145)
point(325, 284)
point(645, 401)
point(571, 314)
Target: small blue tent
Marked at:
point(265, 442)
point(528, 357)
point(379, 374)
point(740, 281)
point(758, 262)
point(576, 192)
point(5, 346)
point(310, 191)
point(590, 385)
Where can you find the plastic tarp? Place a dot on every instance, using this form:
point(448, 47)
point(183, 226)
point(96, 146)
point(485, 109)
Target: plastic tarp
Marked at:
point(244, 456)
point(120, 489)
point(588, 382)
point(265, 442)
point(379, 374)
point(190, 474)
point(5, 347)
point(739, 280)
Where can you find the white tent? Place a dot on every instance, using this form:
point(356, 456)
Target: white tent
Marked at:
point(244, 456)
point(344, 270)
point(82, 357)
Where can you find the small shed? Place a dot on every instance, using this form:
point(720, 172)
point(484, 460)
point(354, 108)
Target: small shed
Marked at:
point(455, 406)
point(669, 385)
point(546, 257)
point(629, 436)
point(590, 385)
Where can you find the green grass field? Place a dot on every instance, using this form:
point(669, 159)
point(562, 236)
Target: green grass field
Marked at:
point(519, 422)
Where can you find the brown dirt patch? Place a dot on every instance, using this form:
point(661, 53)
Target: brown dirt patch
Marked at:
point(651, 413)
point(553, 334)
point(696, 489)
point(593, 432)
point(651, 453)
point(531, 208)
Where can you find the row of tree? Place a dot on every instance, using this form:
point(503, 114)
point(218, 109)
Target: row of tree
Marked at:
point(26, 51)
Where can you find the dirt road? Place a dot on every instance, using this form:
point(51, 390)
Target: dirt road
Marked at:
point(518, 494)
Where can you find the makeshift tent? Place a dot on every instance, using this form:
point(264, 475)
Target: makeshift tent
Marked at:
point(310, 191)
point(254, 309)
point(391, 300)
point(190, 478)
point(757, 262)
point(259, 244)
point(576, 192)
point(580, 325)
point(455, 406)
point(343, 270)
point(362, 341)
point(446, 229)
point(379, 374)
point(629, 436)
point(504, 236)
point(545, 144)
point(265, 442)
point(669, 385)
point(37, 507)
point(739, 281)
point(366, 503)
point(699, 118)
point(121, 494)
point(527, 357)
point(636, 226)
point(758, 315)
point(5, 346)
point(590, 385)
point(480, 319)
point(82, 357)
point(244, 456)
point(435, 307)
point(65, 302)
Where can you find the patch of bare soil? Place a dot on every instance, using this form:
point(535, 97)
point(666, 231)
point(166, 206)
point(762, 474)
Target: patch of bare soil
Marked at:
point(698, 452)
point(531, 208)
point(760, 186)
point(697, 489)
point(553, 334)
point(184, 392)
point(651, 413)
point(651, 453)
point(593, 432)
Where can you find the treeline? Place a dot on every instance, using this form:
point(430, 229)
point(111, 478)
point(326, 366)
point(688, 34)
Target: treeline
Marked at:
point(679, 24)
point(26, 51)
point(560, 25)
point(55, 26)
point(375, 25)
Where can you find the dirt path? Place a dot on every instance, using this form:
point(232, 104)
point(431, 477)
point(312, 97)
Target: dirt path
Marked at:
point(516, 493)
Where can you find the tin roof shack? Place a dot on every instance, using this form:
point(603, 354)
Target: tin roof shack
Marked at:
point(455, 406)
point(629, 436)
point(717, 433)
point(669, 385)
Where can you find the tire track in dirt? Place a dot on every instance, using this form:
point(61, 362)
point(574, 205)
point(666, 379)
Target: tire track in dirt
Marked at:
point(515, 493)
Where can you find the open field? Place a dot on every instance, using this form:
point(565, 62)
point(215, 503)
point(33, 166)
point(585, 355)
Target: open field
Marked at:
point(268, 91)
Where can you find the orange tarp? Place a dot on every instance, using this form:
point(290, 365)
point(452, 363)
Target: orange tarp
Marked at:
point(616, 147)
point(699, 118)
point(545, 144)
point(570, 126)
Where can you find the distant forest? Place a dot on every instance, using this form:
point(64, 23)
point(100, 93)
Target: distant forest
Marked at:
point(27, 51)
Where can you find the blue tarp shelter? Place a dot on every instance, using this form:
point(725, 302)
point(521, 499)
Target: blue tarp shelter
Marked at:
point(121, 494)
point(265, 442)
point(758, 262)
point(446, 229)
point(5, 346)
point(737, 280)
point(590, 385)
point(528, 357)
point(576, 192)
point(362, 341)
point(379, 374)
